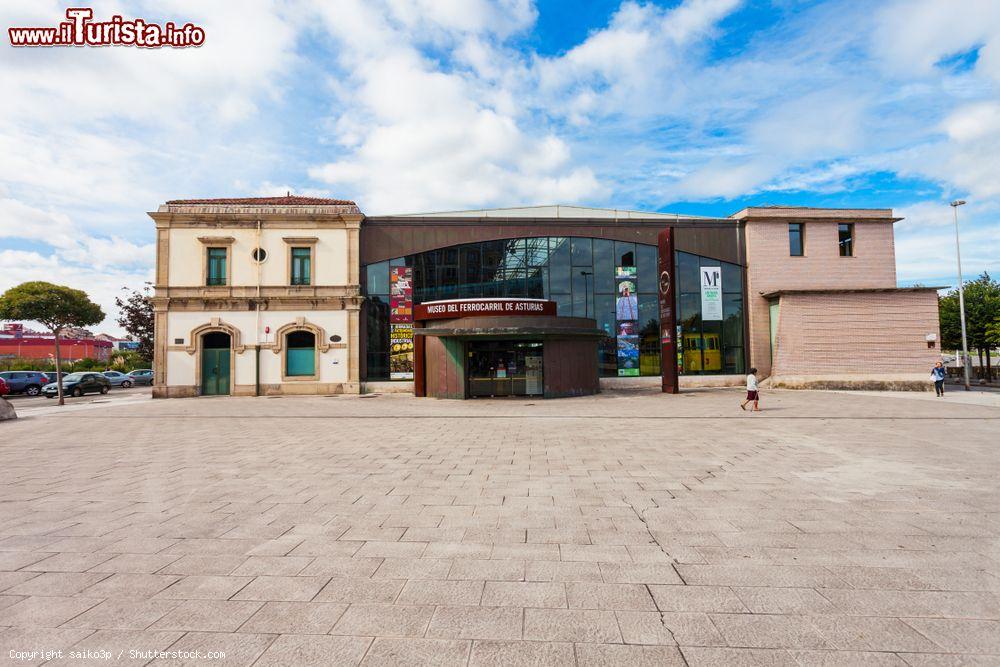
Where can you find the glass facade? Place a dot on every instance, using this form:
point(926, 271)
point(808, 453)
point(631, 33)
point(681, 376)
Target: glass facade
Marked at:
point(578, 273)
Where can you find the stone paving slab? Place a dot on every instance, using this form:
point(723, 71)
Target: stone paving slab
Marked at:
point(628, 528)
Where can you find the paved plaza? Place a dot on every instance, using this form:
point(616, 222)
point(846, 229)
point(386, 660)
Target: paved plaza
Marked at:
point(628, 528)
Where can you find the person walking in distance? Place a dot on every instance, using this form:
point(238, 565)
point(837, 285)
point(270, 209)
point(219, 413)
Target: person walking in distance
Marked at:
point(938, 375)
point(752, 394)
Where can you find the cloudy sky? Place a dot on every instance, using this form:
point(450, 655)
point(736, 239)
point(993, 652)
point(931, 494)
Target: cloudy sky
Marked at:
point(697, 106)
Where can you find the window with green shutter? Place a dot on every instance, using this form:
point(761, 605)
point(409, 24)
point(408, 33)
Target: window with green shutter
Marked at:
point(216, 274)
point(300, 357)
point(301, 266)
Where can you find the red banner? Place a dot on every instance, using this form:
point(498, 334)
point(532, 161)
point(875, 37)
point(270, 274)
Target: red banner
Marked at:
point(440, 310)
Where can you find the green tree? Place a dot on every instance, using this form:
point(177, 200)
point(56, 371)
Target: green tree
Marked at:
point(135, 315)
point(55, 306)
point(982, 310)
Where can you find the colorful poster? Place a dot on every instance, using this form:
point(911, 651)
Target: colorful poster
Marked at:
point(628, 355)
point(626, 303)
point(711, 293)
point(627, 315)
point(401, 294)
point(401, 351)
point(401, 323)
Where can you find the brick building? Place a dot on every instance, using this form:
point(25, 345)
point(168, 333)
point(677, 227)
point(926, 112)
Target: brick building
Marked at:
point(823, 308)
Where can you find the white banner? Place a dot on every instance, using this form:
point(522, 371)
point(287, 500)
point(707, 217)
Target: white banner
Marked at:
point(711, 293)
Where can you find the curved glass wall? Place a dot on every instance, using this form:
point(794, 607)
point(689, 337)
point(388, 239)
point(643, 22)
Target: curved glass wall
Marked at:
point(578, 273)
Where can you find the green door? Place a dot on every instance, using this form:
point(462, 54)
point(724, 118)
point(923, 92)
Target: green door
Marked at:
point(214, 371)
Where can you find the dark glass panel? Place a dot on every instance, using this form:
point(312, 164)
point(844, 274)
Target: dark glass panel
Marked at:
point(564, 304)
point(559, 266)
point(625, 254)
point(607, 357)
point(604, 313)
point(583, 292)
point(583, 254)
point(471, 263)
point(538, 282)
point(732, 277)
point(604, 266)
point(649, 334)
point(687, 273)
point(377, 337)
point(514, 280)
point(377, 278)
point(646, 268)
point(732, 333)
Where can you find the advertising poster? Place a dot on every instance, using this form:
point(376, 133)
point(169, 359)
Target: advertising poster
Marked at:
point(401, 294)
point(401, 323)
point(628, 355)
point(401, 351)
point(626, 316)
point(626, 302)
point(711, 293)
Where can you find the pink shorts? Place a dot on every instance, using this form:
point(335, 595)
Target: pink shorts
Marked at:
point(751, 395)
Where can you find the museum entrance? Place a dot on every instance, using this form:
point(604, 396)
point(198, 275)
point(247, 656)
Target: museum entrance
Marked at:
point(504, 368)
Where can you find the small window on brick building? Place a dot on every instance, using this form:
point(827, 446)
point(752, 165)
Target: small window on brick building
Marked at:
point(796, 239)
point(845, 236)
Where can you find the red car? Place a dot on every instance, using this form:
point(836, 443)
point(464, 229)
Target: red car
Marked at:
point(4, 389)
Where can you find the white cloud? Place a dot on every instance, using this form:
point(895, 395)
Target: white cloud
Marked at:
point(418, 138)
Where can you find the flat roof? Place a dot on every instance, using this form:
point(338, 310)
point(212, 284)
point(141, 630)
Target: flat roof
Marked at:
point(547, 212)
point(814, 213)
point(782, 292)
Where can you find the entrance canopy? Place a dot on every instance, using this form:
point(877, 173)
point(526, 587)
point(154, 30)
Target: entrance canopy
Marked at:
point(497, 347)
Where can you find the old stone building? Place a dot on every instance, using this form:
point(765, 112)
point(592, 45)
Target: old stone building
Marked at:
point(257, 296)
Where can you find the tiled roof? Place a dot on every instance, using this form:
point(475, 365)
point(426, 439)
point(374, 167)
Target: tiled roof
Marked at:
point(288, 200)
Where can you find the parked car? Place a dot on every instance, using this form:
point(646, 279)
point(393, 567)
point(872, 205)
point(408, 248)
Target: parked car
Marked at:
point(119, 379)
point(78, 384)
point(141, 376)
point(51, 375)
point(25, 382)
point(4, 389)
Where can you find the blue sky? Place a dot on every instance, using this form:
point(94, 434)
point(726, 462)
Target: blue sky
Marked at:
point(697, 106)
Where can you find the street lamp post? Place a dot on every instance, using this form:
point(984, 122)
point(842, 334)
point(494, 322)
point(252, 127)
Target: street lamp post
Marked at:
point(586, 292)
point(961, 295)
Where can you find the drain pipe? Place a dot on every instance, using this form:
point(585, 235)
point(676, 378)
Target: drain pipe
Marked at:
point(256, 347)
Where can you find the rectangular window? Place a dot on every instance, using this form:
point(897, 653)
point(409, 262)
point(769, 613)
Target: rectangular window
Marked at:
point(301, 266)
point(796, 239)
point(217, 266)
point(845, 235)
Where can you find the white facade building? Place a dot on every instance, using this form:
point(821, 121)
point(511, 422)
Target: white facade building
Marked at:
point(257, 296)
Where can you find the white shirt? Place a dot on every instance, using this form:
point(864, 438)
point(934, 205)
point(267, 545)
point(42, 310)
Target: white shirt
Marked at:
point(751, 382)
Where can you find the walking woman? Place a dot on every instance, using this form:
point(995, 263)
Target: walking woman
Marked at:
point(938, 374)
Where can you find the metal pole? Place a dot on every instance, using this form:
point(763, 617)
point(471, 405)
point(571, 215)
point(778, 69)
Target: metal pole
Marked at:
point(961, 296)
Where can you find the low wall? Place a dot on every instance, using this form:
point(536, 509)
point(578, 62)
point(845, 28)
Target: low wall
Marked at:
point(886, 382)
point(685, 382)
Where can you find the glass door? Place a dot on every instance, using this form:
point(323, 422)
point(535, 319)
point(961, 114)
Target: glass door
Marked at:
point(504, 368)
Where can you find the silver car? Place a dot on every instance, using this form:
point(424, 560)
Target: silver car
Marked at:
point(141, 376)
point(118, 379)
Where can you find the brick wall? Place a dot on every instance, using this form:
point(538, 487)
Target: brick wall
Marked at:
point(856, 333)
point(770, 267)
